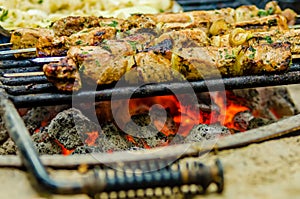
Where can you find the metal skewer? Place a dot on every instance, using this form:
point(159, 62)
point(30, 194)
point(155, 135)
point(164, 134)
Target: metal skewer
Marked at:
point(6, 45)
point(10, 75)
point(25, 50)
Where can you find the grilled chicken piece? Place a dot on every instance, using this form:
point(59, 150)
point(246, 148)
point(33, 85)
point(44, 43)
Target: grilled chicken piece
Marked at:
point(139, 38)
point(264, 58)
point(27, 38)
point(105, 65)
point(181, 38)
point(152, 68)
point(257, 38)
point(72, 24)
point(64, 75)
point(263, 24)
point(96, 64)
point(207, 62)
point(56, 46)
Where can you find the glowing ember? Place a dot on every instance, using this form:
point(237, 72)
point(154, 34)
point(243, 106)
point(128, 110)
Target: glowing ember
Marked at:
point(186, 117)
point(229, 108)
point(91, 139)
point(64, 151)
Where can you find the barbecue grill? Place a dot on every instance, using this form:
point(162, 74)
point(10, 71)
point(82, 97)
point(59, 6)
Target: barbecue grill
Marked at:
point(24, 86)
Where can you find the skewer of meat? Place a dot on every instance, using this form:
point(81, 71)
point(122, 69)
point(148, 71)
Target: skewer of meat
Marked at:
point(50, 45)
point(213, 22)
point(99, 65)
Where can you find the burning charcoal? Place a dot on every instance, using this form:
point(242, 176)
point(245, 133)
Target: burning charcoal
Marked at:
point(40, 116)
point(246, 121)
point(112, 139)
point(176, 139)
point(205, 132)
point(41, 136)
point(257, 122)
point(49, 148)
point(8, 148)
point(268, 102)
point(69, 127)
point(144, 132)
point(87, 149)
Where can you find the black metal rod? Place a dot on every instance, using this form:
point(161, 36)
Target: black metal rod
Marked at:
point(23, 80)
point(253, 81)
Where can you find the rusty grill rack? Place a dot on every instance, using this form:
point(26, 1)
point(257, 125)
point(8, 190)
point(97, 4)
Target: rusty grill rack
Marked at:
point(31, 91)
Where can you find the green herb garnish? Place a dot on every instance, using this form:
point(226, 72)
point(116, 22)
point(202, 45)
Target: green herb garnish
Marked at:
point(78, 42)
point(269, 39)
point(98, 63)
point(4, 14)
point(113, 24)
point(40, 1)
point(133, 44)
point(262, 13)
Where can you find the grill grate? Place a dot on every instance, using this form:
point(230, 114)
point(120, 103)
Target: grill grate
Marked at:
point(32, 91)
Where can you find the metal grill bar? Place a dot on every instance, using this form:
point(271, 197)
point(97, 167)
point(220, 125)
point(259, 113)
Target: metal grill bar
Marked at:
point(24, 99)
point(32, 91)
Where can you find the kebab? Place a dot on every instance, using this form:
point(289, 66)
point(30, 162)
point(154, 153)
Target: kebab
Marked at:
point(47, 44)
point(105, 65)
point(212, 22)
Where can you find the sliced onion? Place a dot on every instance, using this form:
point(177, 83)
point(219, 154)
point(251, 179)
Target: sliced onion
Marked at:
point(218, 27)
point(239, 36)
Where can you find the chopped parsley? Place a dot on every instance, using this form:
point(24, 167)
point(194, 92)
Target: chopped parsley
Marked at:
point(98, 63)
point(133, 44)
point(263, 13)
point(113, 24)
point(253, 50)
point(40, 1)
point(270, 11)
point(85, 53)
point(4, 14)
point(78, 42)
point(230, 56)
point(106, 48)
point(269, 39)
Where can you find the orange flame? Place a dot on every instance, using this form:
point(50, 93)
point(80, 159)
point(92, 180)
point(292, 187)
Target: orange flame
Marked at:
point(64, 150)
point(229, 107)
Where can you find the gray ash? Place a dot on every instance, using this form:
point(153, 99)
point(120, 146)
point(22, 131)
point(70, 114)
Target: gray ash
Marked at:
point(8, 147)
point(3, 132)
point(204, 132)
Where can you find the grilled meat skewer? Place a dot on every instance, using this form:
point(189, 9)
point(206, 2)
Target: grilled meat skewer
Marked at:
point(98, 65)
point(241, 37)
point(50, 45)
point(213, 22)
